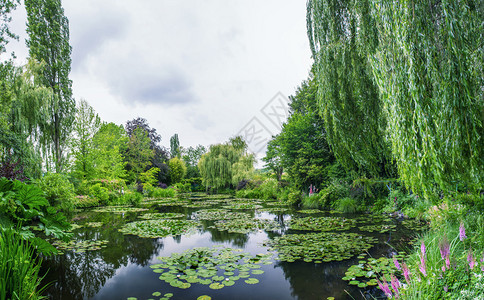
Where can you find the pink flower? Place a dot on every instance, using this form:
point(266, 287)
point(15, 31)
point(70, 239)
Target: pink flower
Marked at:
point(444, 248)
point(395, 284)
point(447, 262)
point(385, 288)
point(422, 267)
point(422, 249)
point(395, 262)
point(406, 273)
point(462, 232)
point(471, 260)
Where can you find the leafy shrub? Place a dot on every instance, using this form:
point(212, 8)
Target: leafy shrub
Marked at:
point(195, 184)
point(99, 192)
point(346, 205)
point(294, 197)
point(249, 193)
point(58, 190)
point(131, 198)
point(20, 204)
point(269, 189)
point(182, 187)
point(19, 268)
point(163, 193)
point(336, 190)
point(162, 185)
point(82, 201)
point(311, 201)
point(469, 199)
point(178, 169)
point(149, 178)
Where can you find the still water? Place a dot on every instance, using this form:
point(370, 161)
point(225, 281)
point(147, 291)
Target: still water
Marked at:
point(122, 269)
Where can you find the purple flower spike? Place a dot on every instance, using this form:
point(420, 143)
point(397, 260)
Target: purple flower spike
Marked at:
point(447, 262)
point(446, 289)
point(386, 290)
point(395, 285)
point(444, 248)
point(422, 267)
point(406, 273)
point(395, 262)
point(422, 249)
point(462, 232)
point(471, 260)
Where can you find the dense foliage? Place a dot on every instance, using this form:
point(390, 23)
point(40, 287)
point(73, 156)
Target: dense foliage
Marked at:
point(403, 75)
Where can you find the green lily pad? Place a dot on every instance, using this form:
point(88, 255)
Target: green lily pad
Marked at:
point(252, 281)
point(158, 228)
point(322, 223)
point(204, 297)
point(216, 286)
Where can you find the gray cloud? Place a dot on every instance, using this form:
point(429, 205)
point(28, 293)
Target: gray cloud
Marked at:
point(166, 87)
point(91, 28)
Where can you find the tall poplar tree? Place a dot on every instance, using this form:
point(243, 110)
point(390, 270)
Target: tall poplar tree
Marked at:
point(48, 43)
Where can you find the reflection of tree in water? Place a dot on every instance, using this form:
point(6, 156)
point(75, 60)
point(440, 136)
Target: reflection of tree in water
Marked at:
point(237, 239)
point(315, 281)
point(81, 275)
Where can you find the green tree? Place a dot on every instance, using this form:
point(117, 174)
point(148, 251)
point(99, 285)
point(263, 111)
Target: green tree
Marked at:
point(429, 70)
point(301, 148)
point(139, 154)
point(48, 42)
point(161, 155)
point(24, 104)
point(85, 127)
point(424, 58)
point(217, 165)
point(6, 8)
point(148, 178)
point(178, 170)
point(109, 143)
point(341, 35)
point(175, 150)
point(191, 156)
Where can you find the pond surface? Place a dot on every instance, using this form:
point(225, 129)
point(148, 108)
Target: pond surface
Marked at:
point(103, 263)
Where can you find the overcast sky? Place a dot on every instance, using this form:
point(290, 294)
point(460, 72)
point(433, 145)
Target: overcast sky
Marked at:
point(202, 69)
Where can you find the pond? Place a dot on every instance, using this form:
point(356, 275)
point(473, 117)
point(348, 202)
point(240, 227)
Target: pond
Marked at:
point(219, 247)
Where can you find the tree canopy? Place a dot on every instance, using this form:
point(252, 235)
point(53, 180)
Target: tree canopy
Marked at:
point(404, 76)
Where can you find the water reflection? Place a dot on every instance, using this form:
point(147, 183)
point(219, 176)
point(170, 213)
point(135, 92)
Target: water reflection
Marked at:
point(80, 275)
point(122, 269)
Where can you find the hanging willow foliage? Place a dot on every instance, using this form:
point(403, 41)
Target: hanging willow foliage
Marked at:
point(341, 34)
point(225, 163)
point(429, 69)
point(426, 58)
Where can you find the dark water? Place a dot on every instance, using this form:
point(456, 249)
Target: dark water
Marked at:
point(121, 270)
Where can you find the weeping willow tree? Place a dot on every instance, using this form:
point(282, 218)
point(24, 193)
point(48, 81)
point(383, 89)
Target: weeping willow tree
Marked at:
point(426, 60)
point(341, 35)
point(429, 69)
point(226, 164)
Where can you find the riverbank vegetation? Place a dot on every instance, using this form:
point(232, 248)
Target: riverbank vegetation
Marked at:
point(389, 121)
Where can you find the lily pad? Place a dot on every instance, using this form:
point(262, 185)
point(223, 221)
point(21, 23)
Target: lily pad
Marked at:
point(158, 228)
point(319, 246)
point(252, 281)
point(322, 223)
point(151, 216)
point(216, 286)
